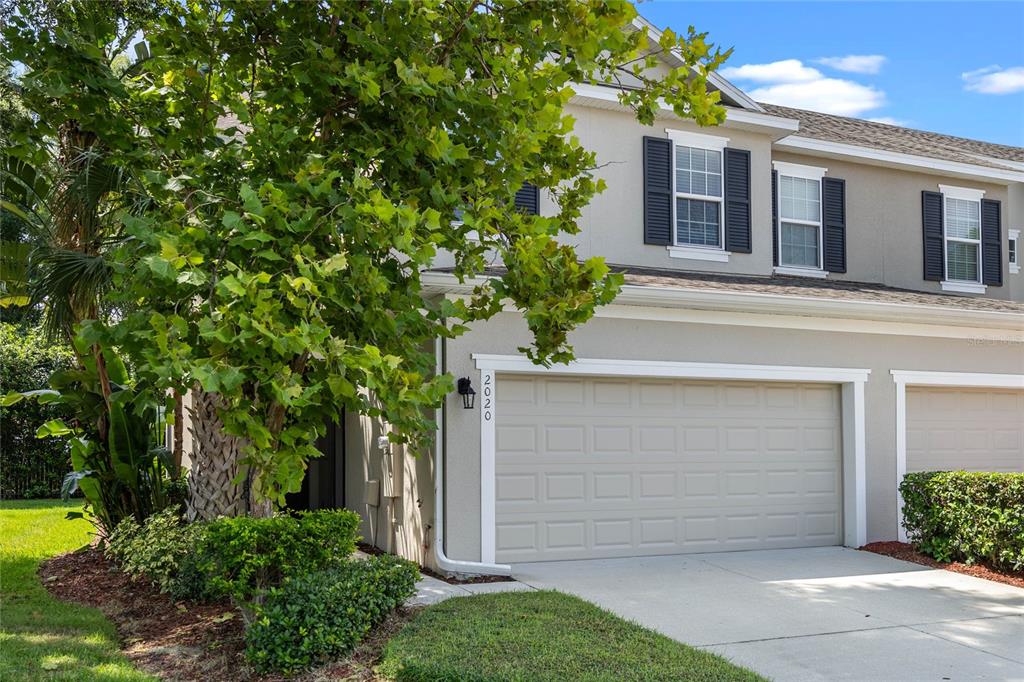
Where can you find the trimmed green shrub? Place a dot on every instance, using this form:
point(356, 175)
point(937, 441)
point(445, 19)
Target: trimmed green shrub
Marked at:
point(158, 549)
point(243, 557)
point(966, 516)
point(32, 467)
point(324, 615)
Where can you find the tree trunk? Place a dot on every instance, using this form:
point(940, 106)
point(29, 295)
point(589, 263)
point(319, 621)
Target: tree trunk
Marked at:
point(178, 434)
point(215, 465)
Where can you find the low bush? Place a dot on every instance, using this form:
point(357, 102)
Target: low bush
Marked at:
point(243, 557)
point(158, 549)
point(966, 516)
point(324, 615)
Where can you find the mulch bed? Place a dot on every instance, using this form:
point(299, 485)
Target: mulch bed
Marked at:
point(451, 580)
point(906, 552)
point(184, 640)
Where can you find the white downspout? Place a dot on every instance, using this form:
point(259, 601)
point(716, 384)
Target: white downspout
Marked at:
point(443, 562)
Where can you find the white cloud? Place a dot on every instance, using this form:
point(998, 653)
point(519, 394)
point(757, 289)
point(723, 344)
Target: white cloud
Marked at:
point(827, 95)
point(792, 83)
point(889, 120)
point(785, 71)
point(995, 80)
point(855, 63)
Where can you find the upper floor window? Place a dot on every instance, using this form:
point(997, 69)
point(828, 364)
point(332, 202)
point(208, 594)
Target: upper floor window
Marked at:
point(698, 189)
point(800, 233)
point(1014, 250)
point(962, 233)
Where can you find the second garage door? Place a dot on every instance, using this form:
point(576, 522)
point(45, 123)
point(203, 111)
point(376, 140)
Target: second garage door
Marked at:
point(593, 467)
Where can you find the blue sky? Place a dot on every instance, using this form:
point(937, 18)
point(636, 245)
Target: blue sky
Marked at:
point(949, 67)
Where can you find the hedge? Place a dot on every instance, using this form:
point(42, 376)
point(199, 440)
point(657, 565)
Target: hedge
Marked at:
point(966, 516)
point(319, 616)
point(32, 467)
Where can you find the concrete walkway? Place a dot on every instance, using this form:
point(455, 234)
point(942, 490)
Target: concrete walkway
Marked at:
point(430, 590)
point(811, 614)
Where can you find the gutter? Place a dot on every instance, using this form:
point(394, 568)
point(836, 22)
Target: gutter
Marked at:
point(442, 560)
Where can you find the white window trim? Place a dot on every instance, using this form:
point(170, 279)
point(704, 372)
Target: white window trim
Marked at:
point(1014, 236)
point(716, 254)
point(851, 380)
point(796, 170)
point(693, 252)
point(904, 378)
point(961, 286)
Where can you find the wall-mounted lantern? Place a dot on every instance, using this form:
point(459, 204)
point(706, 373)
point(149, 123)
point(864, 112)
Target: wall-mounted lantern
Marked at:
point(467, 393)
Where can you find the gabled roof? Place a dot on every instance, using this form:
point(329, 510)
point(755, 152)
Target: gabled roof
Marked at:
point(731, 95)
point(854, 131)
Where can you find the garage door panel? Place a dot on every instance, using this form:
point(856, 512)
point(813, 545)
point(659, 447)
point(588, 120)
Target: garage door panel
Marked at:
point(617, 467)
point(970, 429)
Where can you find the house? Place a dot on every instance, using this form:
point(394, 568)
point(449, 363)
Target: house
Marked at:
point(813, 306)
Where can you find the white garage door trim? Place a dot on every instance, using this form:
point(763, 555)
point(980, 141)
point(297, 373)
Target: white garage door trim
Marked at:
point(904, 378)
point(851, 380)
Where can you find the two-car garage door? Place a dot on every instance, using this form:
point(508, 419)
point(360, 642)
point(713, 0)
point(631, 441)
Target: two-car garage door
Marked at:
point(609, 467)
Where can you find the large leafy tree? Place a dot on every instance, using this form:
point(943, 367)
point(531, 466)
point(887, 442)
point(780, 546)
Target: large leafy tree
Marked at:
point(304, 162)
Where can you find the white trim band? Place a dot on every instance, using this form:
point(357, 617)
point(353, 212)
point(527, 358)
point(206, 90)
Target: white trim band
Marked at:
point(697, 253)
point(687, 139)
point(799, 170)
point(965, 193)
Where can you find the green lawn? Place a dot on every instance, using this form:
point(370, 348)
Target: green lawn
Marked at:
point(541, 636)
point(41, 638)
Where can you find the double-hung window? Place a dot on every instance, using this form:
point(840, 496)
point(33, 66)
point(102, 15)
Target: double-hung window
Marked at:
point(799, 219)
point(698, 191)
point(961, 210)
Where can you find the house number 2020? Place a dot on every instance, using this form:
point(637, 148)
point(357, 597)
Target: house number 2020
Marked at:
point(488, 397)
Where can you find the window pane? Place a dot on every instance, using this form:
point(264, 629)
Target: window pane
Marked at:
point(698, 171)
point(799, 245)
point(963, 219)
point(962, 261)
point(799, 199)
point(697, 222)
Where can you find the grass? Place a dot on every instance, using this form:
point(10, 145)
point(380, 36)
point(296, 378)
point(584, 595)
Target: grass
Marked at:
point(40, 637)
point(541, 636)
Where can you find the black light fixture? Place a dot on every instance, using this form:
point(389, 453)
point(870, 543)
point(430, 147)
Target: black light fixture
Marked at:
point(466, 391)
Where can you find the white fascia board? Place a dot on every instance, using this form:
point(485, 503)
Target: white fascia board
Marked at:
point(807, 145)
point(607, 97)
point(940, 319)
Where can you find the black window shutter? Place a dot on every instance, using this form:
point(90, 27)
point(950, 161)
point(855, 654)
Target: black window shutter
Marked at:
point(528, 199)
point(775, 217)
point(657, 191)
point(737, 200)
point(833, 200)
point(991, 243)
point(934, 250)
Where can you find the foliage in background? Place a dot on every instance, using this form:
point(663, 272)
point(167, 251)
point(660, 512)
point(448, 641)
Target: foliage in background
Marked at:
point(966, 516)
point(301, 163)
point(109, 429)
point(320, 616)
point(30, 467)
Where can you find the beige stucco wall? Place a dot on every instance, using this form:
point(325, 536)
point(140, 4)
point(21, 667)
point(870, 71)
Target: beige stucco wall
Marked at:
point(403, 522)
point(883, 221)
point(674, 341)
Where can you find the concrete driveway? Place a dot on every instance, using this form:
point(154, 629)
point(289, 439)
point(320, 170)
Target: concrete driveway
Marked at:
point(811, 614)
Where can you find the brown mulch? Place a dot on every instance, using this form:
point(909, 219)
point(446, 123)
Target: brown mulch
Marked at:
point(184, 640)
point(906, 552)
point(451, 580)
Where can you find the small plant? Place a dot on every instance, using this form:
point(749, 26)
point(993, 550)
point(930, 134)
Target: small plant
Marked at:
point(244, 557)
point(324, 615)
point(158, 549)
point(966, 516)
